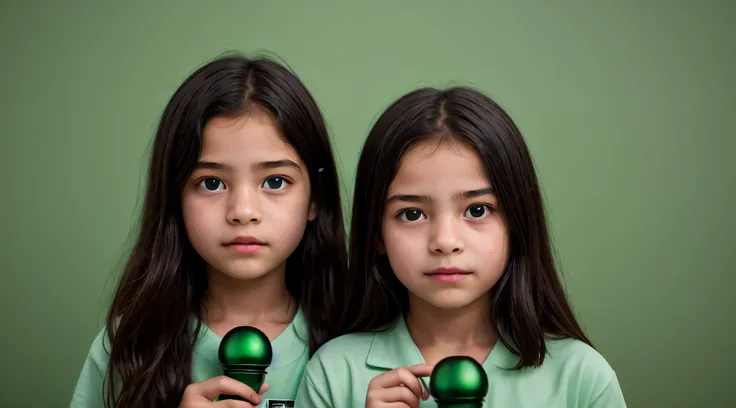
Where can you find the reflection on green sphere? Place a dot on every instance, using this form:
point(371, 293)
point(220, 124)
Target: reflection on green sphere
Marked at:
point(245, 345)
point(458, 379)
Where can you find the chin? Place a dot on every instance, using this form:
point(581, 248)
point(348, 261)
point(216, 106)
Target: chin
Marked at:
point(448, 300)
point(244, 270)
point(244, 275)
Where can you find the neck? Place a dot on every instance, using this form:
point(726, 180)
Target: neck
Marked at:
point(244, 302)
point(455, 328)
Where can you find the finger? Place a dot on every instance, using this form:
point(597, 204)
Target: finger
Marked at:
point(394, 405)
point(265, 387)
point(215, 386)
point(403, 376)
point(411, 382)
point(425, 388)
point(397, 395)
point(421, 370)
point(388, 379)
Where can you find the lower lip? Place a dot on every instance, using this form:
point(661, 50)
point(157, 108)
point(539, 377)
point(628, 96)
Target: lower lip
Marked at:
point(449, 277)
point(246, 248)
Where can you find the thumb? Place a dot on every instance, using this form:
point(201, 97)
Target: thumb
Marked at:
point(265, 387)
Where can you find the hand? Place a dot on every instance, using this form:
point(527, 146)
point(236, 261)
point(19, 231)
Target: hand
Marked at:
point(201, 394)
point(398, 388)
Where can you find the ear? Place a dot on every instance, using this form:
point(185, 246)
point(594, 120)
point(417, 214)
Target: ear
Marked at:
point(312, 214)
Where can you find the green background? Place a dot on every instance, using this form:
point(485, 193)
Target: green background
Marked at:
point(627, 107)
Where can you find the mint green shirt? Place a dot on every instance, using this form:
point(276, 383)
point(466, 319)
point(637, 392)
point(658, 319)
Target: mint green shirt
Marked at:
point(573, 374)
point(290, 356)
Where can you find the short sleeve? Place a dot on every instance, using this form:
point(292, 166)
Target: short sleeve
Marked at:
point(314, 387)
point(610, 396)
point(90, 389)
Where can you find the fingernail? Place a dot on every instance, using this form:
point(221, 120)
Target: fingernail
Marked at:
point(425, 389)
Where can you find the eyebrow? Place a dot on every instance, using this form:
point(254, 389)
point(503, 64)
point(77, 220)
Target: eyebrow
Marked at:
point(478, 193)
point(411, 198)
point(273, 164)
point(210, 165)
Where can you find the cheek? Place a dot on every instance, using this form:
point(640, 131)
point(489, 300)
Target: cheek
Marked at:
point(287, 217)
point(402, 248)
point(283, 209)
point(493, 246)
point(198, 221)
point(289, 227)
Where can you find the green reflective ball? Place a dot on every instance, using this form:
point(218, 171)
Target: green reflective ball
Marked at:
point(245, 345)
point(458, 380)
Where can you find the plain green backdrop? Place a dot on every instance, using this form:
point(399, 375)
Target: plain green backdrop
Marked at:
point(627, 106)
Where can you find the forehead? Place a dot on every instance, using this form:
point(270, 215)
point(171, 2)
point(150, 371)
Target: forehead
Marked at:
point(253, 136)
point(435, 167)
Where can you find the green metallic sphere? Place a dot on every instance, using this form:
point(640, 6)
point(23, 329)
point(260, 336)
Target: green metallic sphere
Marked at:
point(458, 379)
point(245, 345)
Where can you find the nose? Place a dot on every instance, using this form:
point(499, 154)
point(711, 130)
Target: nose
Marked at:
point(446, 237)
point(244, 207)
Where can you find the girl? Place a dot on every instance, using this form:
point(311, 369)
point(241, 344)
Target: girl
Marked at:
point(451, 256)
point(241, 225)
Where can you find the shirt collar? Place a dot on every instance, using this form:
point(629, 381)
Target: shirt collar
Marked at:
point(394, 347)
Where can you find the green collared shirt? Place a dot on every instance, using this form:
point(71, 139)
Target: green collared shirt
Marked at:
point(290, 356)
point(573, 375)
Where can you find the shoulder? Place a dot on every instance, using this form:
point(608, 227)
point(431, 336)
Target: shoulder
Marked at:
point(99, 350)
point(587, 372)
point(571, 352)
point(350, 348)
point(90, 386)
point(331, 373)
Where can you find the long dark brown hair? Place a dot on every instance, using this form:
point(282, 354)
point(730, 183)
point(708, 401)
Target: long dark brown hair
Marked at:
point(164, 281)
point(528, 301)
